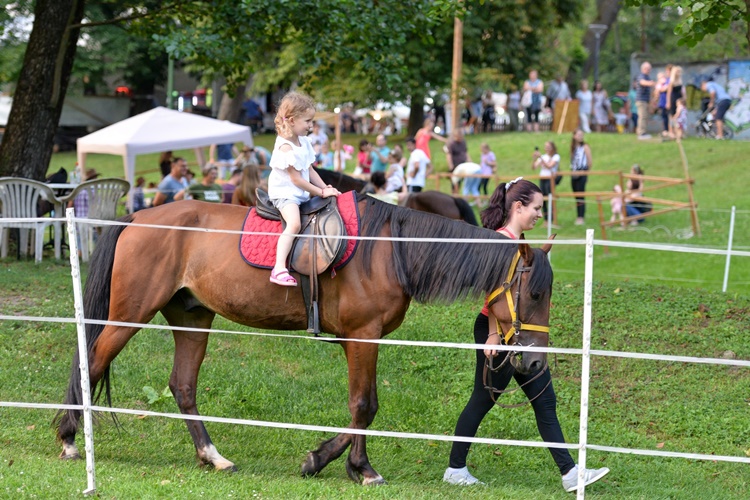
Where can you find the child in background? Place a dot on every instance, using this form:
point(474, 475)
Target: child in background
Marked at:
point(395, 179)
point(139, 202)
point(364, 160)
point(326, 157)
point(488, 161)
point(680, 118)
point(292, 181)
point(615, 204)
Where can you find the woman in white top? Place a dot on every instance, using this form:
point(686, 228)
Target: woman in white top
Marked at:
point(292, 181)
point(580, 164)
point(600, 107)
point(585, 97)
point(548, 165)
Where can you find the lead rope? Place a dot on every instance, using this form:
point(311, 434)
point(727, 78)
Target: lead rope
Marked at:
point(488, 383)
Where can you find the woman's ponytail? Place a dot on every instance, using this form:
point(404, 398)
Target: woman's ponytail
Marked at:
point(494, 215)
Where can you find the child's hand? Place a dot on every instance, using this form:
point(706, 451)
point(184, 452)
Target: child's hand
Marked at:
point(329, 191)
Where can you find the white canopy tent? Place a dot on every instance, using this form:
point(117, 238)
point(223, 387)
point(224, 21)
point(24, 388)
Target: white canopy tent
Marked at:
point(157, 130)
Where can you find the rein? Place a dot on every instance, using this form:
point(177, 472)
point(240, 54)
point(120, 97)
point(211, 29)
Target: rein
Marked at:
point(514, 274)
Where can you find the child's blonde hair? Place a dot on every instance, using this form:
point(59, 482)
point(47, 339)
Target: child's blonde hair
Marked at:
point(292, 105)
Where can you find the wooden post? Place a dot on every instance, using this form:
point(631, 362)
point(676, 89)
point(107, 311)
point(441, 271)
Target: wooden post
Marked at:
point(688, 182)
point(458, 50)
point(563, 117)
point(337, 134)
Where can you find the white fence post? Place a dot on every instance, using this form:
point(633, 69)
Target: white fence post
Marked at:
point(83, 355)
point(588, 287)
point(729, 250)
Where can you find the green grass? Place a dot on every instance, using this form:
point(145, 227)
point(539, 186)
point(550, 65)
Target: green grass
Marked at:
point(721, 181)
point(634, 403)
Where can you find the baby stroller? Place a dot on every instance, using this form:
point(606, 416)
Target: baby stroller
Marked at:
point(705, 125)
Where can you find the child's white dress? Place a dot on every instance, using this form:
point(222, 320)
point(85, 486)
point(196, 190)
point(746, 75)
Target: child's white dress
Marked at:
point(301, 157)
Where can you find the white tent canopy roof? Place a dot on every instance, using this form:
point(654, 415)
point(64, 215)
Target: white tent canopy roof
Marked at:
point(157, 130)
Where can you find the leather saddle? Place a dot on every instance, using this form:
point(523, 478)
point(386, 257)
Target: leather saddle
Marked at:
point(312, 256)
point(319, 217)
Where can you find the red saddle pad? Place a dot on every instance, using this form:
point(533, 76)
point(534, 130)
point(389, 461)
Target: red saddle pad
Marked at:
point(259, 250)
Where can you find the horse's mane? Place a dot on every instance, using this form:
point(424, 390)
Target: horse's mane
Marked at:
point(340, 181)
point(437, 271)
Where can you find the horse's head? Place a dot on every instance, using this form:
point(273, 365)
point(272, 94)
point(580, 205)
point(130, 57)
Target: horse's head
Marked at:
point(522, 306)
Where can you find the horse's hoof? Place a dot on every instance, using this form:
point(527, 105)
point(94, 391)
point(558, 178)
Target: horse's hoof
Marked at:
point(232, 468)
point(373, 481)
point(71, 456)
point(311, 465)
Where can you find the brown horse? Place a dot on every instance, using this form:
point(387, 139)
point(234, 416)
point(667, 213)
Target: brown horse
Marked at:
point(434, 202)
point(194, 275)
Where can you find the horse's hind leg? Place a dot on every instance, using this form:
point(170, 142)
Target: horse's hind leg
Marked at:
point(107, 346)
point(363, 405)
point(190, 349)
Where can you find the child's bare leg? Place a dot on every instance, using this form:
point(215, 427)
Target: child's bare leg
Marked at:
point(290, 214)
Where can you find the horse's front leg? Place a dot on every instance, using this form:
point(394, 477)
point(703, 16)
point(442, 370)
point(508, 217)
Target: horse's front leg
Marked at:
point(363, 405)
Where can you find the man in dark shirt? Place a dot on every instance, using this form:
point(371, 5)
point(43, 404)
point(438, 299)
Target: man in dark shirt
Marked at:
point(642, 98)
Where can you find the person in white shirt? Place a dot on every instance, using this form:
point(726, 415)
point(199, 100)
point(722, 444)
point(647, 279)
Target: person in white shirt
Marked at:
point(395, 179)
point(585, 98)
point(418, 167)
point(548, 165)
point(318, 137)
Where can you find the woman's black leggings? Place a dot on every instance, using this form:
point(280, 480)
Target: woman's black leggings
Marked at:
point(546, 186)
point(483, 185)
point(578, 183)
point(480, 403)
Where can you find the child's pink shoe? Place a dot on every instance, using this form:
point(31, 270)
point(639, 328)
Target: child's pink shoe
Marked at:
point(283, 278)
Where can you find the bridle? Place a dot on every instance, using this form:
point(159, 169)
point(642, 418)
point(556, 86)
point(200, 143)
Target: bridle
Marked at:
point(515, 272)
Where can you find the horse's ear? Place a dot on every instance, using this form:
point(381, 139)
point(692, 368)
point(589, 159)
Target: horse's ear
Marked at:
point(548, 246)
point(526, 253)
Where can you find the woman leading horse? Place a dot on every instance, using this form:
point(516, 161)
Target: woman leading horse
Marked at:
point(196, 275)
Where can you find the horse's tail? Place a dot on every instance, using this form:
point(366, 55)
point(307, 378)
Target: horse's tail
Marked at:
point(95, 306)
point(467, 213)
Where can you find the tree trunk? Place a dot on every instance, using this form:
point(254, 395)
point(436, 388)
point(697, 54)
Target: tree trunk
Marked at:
point(27, 144)
point(231, 105)
point(416, 114)
point(606, 13)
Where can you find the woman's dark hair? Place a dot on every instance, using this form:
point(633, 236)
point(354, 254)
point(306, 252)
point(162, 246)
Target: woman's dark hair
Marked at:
point(573, 143)
point(636, 183)
point(363, 144)
point(496, 214)
point(378, 179)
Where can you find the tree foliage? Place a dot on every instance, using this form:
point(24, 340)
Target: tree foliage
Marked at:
point(702, 18)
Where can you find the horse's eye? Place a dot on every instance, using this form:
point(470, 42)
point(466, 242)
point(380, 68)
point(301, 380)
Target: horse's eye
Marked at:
point(535, 296)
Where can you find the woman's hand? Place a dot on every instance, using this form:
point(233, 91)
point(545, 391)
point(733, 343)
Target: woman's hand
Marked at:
point(492, 340)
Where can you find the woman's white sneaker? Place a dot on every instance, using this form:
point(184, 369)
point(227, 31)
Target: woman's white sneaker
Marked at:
point(570, 480)
point(460, 476)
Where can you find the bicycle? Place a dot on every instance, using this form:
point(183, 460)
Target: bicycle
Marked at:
point(705, 126)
